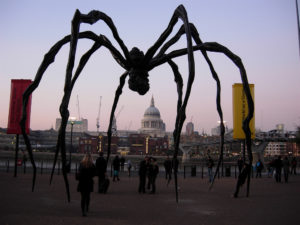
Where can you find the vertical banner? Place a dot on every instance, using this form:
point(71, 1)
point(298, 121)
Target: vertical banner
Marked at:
point(15, 106)
point(240, 111)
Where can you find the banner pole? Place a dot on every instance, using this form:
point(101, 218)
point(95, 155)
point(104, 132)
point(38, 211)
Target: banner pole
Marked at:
point(16, 155)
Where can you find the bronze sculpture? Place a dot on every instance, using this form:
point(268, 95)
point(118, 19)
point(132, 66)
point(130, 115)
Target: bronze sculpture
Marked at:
point(136, 65)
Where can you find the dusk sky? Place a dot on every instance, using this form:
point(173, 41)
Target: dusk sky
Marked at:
point(263, 33)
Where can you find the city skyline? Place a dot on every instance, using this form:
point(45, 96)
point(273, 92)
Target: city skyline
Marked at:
point(263, 33)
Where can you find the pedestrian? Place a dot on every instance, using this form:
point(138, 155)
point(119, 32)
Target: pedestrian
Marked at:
point(86, 172)
point(143, 166)
point(293, 165)
point(122, 162)
point(259, 166)
point(175, 165)
point(270, 166)
point(245, 172)
point(286, 168)
point(153, 172)
point(101, 172)
point(149, 170)
point(278, 167)
point(168, 168)
point(129, 166)
point(210, 164)
point(240, 164)
point(116, 167)
point(24, 160)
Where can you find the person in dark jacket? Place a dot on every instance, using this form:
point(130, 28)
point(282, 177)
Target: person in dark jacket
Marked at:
point(116, 166)
point(86, 172)
point(168, 168)
point(240, 164)
point(153, 172)
point(143, 167)
point(286, 168)
point(101, 171)
point(210, 165)
point(293, 166)
point(259, 166)
point(278, 168)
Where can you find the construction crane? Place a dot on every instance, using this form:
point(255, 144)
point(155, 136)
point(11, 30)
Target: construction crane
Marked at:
point(98, 116)
point(114, 123)
point(119, 111)
point(128, 128)
point(78, 109)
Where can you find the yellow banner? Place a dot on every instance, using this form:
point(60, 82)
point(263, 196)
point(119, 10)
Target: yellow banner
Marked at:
point(240, 111)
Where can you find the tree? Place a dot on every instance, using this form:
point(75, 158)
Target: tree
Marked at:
point(298, 136)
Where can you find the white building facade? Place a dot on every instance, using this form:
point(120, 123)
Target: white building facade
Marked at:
point(151, 123)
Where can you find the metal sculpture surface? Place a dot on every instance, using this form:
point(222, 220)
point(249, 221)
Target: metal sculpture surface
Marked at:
point(136, 65)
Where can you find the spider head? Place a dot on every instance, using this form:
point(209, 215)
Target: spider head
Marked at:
point(138, 75)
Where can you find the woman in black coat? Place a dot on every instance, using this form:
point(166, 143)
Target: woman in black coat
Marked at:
point(87, 171)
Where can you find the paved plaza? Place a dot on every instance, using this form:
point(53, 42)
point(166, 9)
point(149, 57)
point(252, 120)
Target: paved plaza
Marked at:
point(269, 202)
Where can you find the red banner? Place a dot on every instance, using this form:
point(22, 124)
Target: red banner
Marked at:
point(15, 107)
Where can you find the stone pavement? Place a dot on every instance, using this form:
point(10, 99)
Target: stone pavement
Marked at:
point(269, 202)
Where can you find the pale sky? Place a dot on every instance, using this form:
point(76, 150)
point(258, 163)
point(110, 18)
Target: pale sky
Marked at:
point(262, 32)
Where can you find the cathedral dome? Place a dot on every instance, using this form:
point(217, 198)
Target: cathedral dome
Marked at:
point(152, 110)
point(152, 124)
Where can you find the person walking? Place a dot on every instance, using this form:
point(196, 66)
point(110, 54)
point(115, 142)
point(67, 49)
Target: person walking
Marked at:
point(286, 168)
point(153, 172)
point(293, 165)
point(240, 164)
point(101, 172)
point(122, 163)
point(129, 166)
point(143, 167)
point(86, 172)
point(259, 167)
point(116, 166)
point(168, 169)
point(278, 167)
point(210, 164)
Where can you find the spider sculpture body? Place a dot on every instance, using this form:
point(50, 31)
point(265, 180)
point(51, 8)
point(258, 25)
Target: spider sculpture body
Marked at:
point(136, 65)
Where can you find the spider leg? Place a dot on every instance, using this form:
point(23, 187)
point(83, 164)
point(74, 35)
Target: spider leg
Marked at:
point(197, 39)
point(79, 18)
point(116, 99)
point(91, 18)
point(215, 47)
point(181, 13)
point(48, 59)
point(179, 83)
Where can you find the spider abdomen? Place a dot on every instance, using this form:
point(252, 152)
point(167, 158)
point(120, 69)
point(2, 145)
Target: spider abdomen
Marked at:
point(138, 81)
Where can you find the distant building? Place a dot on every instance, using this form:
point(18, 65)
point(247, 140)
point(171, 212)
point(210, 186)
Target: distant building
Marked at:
point(276, 149)
point(134, 144)
point(189, 129)
point(151, 123)
point(79, 126)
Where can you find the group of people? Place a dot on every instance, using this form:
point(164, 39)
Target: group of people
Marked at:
point(87, 170)
point(118, 164)
point(289, 167)
point(148, 169)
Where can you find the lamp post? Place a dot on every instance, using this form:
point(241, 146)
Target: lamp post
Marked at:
point(72, 124)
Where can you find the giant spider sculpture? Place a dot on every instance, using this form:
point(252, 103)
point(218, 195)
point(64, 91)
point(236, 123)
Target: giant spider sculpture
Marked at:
point(136, 65)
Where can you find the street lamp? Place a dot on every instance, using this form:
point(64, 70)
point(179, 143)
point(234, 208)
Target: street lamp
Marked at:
point(68, 166)
point(72, 124)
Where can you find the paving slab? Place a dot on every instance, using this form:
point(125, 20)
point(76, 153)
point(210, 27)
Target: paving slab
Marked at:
point(270, 203)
